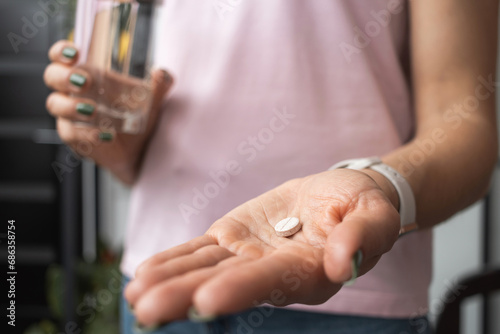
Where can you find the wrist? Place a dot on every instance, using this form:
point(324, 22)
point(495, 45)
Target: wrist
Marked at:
point(390, 181)
point(385, 185)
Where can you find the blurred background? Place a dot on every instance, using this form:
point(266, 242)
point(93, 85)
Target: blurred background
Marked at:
point(70, 217)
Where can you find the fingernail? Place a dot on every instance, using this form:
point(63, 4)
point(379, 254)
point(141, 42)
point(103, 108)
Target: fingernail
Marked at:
point(355, 264)
point(69, 52)
point(194, 316)
point(105, 136)
point(163, 78)
point(130, 308)
point(138, 328)
point(85, 109)
point(167, 77)
point(77, 79)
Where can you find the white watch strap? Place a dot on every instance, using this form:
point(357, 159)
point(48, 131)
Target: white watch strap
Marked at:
point(357, 164)
point(407, 206)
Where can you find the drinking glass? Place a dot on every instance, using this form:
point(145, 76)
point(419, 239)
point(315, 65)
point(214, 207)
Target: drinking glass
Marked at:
point(114, 38)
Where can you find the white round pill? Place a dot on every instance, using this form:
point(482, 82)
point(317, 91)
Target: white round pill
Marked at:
point(288, 227)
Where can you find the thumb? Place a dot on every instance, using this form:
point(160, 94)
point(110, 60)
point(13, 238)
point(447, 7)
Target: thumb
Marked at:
point(370, 233)
point(162, 81)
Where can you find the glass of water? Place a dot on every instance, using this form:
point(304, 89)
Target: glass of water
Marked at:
point(115, 42)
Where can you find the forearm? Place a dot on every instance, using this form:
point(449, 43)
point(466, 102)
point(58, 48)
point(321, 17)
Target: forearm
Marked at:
point(453, 54)
point(448, 167)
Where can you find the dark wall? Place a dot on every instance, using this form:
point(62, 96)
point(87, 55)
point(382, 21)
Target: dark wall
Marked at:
point(30, 191)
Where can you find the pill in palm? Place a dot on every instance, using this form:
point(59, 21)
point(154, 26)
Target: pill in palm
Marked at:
point(288, 227)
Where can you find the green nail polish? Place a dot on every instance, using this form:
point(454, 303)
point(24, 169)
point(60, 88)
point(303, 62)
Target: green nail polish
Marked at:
point(77, 79)
point(355, 264)
point(194, 316)
point(138, 328)
point(130, 308)
point(85, 109)
point(105, 136)
point(69, 52)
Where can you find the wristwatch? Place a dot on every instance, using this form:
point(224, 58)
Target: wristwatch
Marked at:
point(407, 206)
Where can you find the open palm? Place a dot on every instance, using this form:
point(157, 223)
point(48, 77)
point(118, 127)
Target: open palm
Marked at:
point(240, 262)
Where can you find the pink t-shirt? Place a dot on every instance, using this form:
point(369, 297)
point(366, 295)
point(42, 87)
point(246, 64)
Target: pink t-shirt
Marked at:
point(267, 91)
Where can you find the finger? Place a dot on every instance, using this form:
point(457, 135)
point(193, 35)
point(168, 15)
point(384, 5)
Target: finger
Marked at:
point(171, 299)
point(203, 257)
point(373, 232)
point(71, 108)
point(67, 79)
point(279, 279)
point(184, 249)
point(83, 139)
point(63, 52)
point(193, 259)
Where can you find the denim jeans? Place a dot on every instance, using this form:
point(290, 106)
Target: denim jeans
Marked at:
point(266, 320)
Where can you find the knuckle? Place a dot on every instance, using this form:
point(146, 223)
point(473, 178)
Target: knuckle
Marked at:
point(149, 278)
point(66, 133)
point(58, 105)
point(50, 74)
point(46, 74)
point(53, 49)
point(49, 103)
point(143, 268)
point(56, 48)
point(57, 45)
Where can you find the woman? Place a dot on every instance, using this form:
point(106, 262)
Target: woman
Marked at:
point(272, 91)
